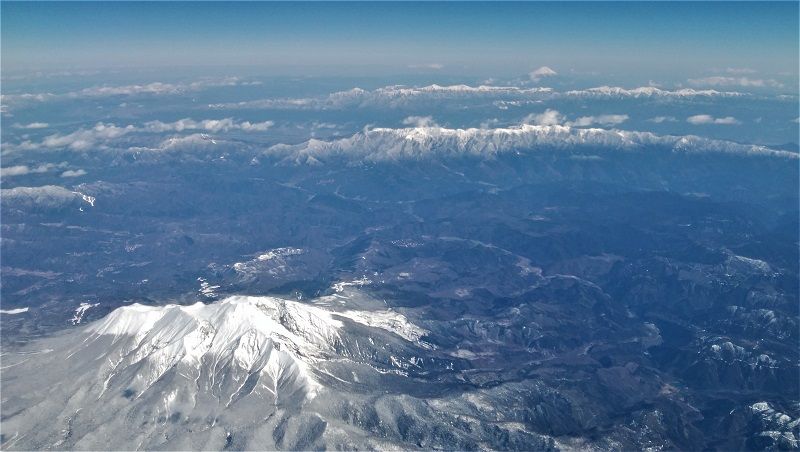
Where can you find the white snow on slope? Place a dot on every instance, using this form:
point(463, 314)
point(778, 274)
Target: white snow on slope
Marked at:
point(270, 338)
point(305, 327)
point(280, 252)
point(341, 285)
point(80, 311)
point(273, 262)
point(278, 340)
point(388, 320)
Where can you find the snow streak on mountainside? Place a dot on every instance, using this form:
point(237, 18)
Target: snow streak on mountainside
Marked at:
point(421, 142)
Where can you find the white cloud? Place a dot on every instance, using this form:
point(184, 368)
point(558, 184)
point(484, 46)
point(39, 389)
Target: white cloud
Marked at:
point(18, 170)
point(33, 125)
point(419, 121)
point(489, 123)
point(84, 139)
point(434, 66)
point(552, 117)
point(208, 125)
point(255, 127)
point(548, 118)
point(603, 120)
point(541, 73)
point(708, 119)
point(391, 97)
point(662, 119)
point(103, 134)
point(73, 173)
point(160, 88)
point(21, 170)
point(797, 120)
point(740, 70)
point(745, 82)
point(129, 90)
point(154, 88)
point(26, 97)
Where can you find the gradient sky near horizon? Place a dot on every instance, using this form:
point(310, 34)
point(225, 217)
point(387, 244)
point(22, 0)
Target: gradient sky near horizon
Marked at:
point(671, 39)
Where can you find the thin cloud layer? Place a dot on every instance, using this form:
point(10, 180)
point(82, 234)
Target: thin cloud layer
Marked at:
point(390, 97)
point(434, 66)
point(154, 88)
point(33, 125)
point(209, 125)
point(744, 82)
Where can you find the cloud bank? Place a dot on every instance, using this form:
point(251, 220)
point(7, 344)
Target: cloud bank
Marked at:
point(98, 136)
point(208, 125)
point(154, 88)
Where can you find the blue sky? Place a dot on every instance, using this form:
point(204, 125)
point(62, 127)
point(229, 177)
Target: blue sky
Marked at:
point(648, 39)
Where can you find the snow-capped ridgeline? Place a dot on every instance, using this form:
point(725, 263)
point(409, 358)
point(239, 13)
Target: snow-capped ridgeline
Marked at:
point(400, 95)
point(648, 91)
point(419, 142)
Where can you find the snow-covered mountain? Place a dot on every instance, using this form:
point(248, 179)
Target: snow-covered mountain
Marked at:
point(424, 142)
point(183, 374)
